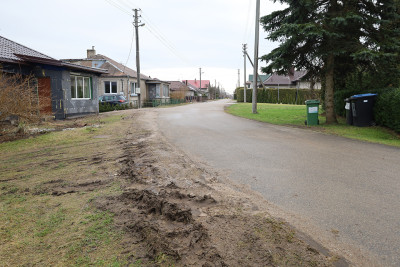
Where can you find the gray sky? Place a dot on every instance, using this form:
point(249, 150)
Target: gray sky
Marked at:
point(179, 37)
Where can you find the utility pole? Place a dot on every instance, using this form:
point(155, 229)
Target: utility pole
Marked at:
point(200, 79)
point(136, 24)
point(256, 58)
point(258, 76)
point(244, 56)
point(238, 78)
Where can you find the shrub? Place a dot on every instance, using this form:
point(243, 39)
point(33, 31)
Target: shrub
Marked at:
point(105, 107)
point(387, 108)
point(340, 96)
point(19, 96)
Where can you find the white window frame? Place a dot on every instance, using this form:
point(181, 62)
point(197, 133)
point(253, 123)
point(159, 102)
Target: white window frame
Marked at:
point(133, 88)
point(84, 89)
point(110, 83)
point(165, 90)
point(158, 91)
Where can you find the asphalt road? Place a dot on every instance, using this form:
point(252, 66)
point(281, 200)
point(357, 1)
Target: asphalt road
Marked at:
point(337, 183)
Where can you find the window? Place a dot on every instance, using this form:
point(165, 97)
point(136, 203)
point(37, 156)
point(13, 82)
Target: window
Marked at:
point(158, 90)
point(133, 88)
point(110, 87)
point(165, 90)
point(81, 87)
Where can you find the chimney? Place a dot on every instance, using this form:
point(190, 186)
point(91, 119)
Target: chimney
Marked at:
point(91, 52)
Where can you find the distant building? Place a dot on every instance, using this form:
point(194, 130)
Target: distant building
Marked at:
point(295, 79)
point(180, 90)
point(121, 79)
point(263, 78)
point(202, 88)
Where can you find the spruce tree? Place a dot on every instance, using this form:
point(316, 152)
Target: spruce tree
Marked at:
point(322, 36)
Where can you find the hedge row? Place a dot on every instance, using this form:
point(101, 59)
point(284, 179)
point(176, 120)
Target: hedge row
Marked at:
point(387, 108)
point(286, 96)
point(163, 102)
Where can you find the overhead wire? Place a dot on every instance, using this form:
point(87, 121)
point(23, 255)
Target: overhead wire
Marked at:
point(247, 31)
point(130, 49)
point(124, 7)
point(154, 30)
point(117, 6)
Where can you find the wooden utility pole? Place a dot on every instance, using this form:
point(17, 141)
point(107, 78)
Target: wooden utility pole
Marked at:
point(136, 24)
point(256, 58)
point(244, 87)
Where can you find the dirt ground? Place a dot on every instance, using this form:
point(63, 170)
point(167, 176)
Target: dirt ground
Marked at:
point(174, 211)
point(182, 214)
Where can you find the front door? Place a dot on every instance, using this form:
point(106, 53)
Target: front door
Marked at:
point(44, 92)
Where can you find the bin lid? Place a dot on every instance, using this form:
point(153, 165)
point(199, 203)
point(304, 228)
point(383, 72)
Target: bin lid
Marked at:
point(363, 95)
point(313, 101)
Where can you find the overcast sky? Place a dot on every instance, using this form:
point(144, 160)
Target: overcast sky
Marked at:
point(179, 37)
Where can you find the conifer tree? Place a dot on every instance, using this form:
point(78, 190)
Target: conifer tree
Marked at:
point(322, 36)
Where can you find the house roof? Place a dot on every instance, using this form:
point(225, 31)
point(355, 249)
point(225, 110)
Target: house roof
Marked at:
point(114, 68)
point(155, 81)
point(178, 85)
point(14, 52)
point(9, 49)
point(285, 79)
point(196, 83)
point(119, 69)
point(262, 77)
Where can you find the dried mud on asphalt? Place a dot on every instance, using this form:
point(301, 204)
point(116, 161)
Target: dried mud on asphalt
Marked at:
point(176, 212)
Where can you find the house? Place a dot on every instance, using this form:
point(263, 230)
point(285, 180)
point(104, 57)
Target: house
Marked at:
point(200, 85)
point(180, 90)
point(68, 89)
point(263, 78)
point(295, 79)
point(157, 90)
point(121, 79)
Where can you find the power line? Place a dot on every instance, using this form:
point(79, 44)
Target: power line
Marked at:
point(123, 6)
point(118, 6)
point(130, 50)
point(250, 15)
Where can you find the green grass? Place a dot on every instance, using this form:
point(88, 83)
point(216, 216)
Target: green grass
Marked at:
point(38, 228)
point(295, 115)
point(275, 114)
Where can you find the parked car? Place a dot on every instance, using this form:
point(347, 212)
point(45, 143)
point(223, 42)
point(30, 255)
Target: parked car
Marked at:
point(113, 99)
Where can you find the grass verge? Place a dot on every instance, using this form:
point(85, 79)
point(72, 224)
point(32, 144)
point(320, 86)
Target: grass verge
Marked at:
point(295, 115)
point(46, 186)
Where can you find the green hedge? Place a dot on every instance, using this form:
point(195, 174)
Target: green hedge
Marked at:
point(286, 95)
point(387, 108)
point(340, 96)
point(105, 107)
point(163, 102)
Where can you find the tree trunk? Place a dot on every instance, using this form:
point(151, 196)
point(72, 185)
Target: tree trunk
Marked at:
point(312, 84)
point(329, 91)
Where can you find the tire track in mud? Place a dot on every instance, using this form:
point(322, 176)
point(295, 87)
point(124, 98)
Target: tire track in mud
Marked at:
point(174, 212)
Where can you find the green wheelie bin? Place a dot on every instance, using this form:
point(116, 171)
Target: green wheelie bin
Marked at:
point(312, 112)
